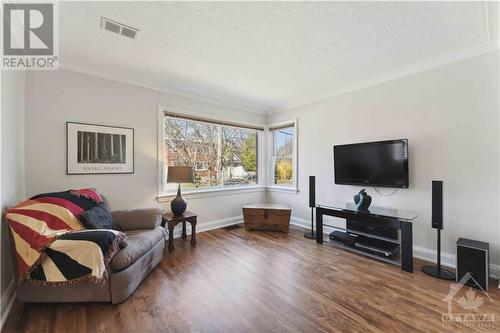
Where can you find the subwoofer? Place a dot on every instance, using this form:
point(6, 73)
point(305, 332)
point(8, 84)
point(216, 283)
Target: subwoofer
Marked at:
point(312, 203)
point(473, 258)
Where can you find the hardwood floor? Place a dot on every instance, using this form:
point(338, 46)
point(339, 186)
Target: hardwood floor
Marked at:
point(248, 281)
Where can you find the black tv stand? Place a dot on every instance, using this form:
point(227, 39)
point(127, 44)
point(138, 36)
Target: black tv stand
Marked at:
point(375, 232)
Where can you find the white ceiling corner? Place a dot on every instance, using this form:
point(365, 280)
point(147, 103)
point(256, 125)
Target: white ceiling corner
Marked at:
point(267, 56)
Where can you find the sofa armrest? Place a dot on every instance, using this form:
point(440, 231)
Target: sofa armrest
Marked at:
point(134, 219)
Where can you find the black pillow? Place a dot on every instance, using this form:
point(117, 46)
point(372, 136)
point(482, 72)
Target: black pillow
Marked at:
point(98, 217)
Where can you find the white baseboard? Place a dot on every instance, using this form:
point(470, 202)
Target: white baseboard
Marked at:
point(447, 259)
point(302, 222)
point(205, 226)
point(7, 301)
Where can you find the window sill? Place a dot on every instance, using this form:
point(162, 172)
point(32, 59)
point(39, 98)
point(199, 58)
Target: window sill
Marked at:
point(212, 192)
point(283, 189)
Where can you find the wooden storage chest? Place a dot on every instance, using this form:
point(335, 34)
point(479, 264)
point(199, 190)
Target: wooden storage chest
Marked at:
point(267, 217)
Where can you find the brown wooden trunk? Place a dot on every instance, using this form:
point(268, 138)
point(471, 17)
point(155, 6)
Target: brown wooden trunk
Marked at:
point(267, 217)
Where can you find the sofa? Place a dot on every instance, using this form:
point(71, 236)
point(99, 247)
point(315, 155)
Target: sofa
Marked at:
point(146, 240)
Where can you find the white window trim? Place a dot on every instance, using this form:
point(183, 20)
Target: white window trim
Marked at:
point(283, 189)
point(213, 192)
point(163, 196)
point(294, 188)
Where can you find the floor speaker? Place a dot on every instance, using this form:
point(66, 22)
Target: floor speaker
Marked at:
point(473, 258)
point(437, 204)
point(437, 223)
point(312, 203)
point(312, 191)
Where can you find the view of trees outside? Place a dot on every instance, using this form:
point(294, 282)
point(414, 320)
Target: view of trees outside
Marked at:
point(283, 156)
point(219, 155)
point(94, 147)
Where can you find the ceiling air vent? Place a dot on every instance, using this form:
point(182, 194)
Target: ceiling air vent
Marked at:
point(118, 28)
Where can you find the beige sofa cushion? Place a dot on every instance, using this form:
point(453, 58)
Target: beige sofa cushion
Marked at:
point(134, 219)
point(138, 243)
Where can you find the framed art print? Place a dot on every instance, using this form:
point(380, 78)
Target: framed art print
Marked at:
point(97, 149)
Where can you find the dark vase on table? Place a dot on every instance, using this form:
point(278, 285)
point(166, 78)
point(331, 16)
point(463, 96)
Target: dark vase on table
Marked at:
point(179, 174)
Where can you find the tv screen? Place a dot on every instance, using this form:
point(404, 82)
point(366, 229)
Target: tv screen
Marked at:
point(380, 164)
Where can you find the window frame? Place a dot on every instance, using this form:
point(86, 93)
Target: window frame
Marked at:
point(164, 195)
point(294, 187)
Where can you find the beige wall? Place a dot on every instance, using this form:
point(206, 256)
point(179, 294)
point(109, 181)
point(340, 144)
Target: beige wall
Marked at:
point(12, 168)
point(450, 116)
point(55, 97)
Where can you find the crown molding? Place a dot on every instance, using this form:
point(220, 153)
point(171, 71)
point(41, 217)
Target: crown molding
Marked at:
point(448, 59)
point(77, 69)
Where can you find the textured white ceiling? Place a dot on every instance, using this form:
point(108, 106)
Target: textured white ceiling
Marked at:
point(266, 56)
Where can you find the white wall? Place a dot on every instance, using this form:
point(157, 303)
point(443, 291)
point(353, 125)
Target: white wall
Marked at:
point(450, 115)
point(12, 171)
point(55, 97)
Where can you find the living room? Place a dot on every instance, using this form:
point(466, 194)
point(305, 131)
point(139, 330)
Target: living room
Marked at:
point(194, 125)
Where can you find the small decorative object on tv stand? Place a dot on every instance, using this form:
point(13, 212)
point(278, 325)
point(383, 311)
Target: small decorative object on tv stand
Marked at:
point(362, 200)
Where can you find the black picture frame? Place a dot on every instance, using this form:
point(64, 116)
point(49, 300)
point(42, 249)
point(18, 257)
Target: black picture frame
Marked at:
point(130, 155)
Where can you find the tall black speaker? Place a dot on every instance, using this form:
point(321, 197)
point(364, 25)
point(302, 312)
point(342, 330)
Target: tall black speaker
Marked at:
point(312, 203)
point(437, 204)
point(437, 223)
point(312, 191)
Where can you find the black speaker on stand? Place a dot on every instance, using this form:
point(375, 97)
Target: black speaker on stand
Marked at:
point(437, 223)
point(312, 203)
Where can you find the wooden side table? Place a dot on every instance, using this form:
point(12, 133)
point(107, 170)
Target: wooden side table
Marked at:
point(171, 220)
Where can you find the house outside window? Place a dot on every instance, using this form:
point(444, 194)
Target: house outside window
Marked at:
point(201, 166)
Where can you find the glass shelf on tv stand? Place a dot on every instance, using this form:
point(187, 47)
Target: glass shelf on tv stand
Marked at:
point(395, 260)
point(390, 240)
point(391, 213)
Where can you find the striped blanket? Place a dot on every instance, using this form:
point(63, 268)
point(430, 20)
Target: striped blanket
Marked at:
point(51, 244)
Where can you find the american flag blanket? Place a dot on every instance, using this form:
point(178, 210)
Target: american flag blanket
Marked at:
point(51, 244)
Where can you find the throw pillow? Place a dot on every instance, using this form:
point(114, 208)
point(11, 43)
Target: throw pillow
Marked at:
point(87, 193)
point(98, 218)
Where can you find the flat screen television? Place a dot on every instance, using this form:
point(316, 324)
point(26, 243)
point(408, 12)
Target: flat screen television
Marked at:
point(379, 164)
